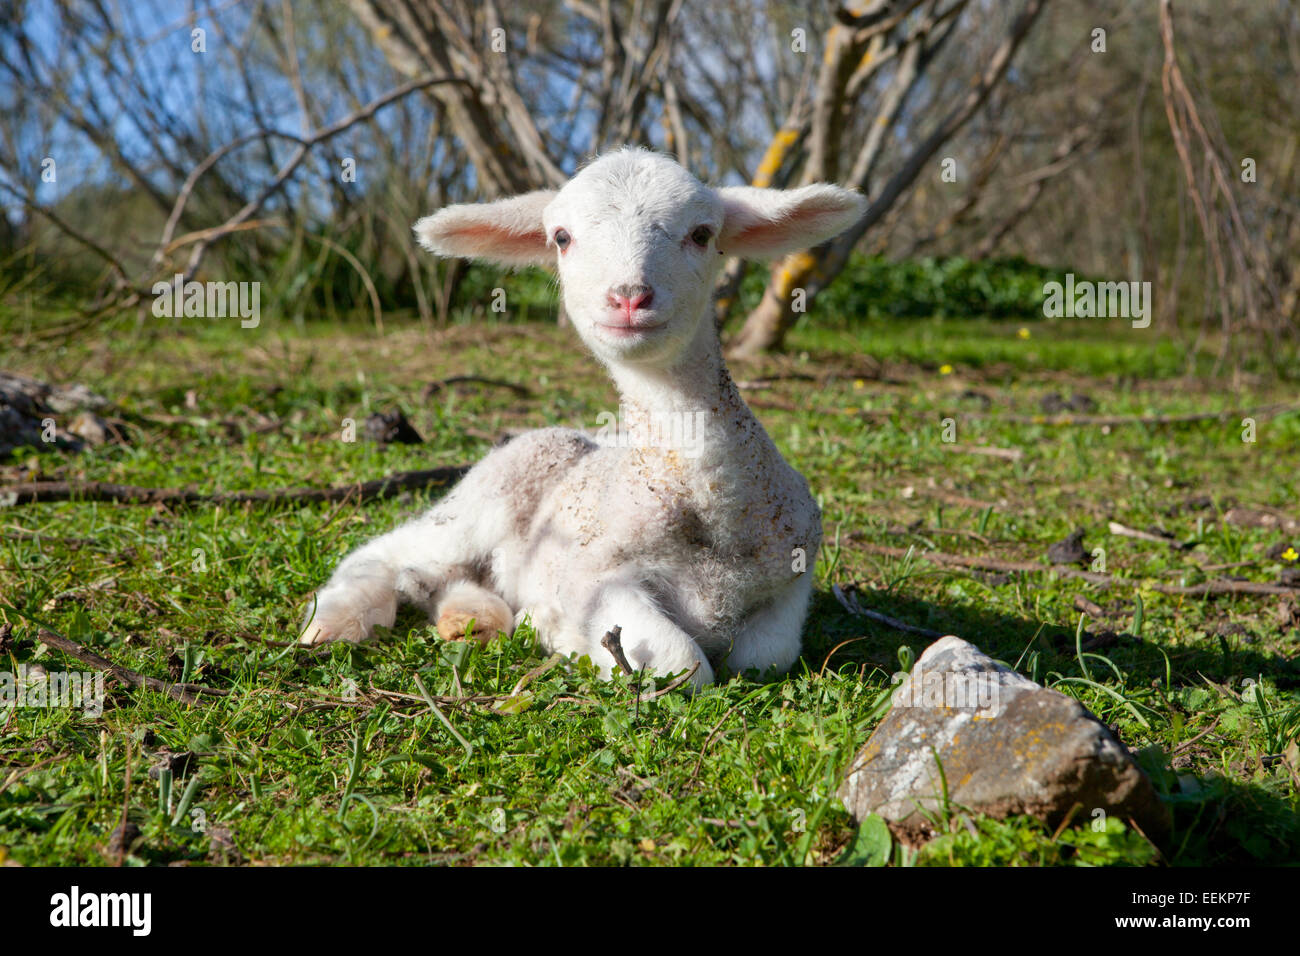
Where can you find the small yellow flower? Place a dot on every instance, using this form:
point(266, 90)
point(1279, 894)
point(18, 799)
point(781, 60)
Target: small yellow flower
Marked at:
point(1023, 333)
point(1290, 554)
point(859, 383)
point(945, 369)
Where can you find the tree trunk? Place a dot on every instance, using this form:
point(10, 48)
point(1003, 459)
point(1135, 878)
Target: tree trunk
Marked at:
point(766, 327)
point(413, 43)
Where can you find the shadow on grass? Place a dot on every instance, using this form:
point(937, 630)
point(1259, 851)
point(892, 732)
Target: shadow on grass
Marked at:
point(1225, 660)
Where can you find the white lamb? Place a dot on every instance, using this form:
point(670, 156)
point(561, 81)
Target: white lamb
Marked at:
point(700, 548)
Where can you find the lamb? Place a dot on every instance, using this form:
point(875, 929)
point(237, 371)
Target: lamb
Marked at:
point(697, 543)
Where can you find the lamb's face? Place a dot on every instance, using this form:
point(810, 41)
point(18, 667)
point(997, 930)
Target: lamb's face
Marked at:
point(635, 238)
point(639, 243)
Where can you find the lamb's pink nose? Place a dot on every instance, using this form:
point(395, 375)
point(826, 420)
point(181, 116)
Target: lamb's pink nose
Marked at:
point(628, 298)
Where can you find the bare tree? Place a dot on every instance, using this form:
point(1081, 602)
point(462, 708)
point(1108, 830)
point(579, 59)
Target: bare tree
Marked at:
point(175, 161)
point(1249, 299)
point(906, 36)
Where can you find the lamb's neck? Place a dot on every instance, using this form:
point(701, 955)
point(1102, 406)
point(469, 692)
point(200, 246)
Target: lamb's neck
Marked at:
point(697, 397)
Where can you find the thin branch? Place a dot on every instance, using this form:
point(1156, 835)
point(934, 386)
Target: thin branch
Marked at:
point(850, 603)
point(669, 687)
point(31, 492)
point(1268, 411)
point(304, 146)
point(185, 693)
point(613, 642)
point(1204, 589)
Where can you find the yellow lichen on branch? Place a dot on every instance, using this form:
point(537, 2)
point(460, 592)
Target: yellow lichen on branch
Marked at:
point(775, 155)
point(792, 273)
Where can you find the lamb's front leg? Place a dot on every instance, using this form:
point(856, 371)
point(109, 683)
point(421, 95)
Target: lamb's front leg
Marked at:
point(363, 591)
point(431, 561)
point(771, 638)
point(650, 639)
point(439, 560)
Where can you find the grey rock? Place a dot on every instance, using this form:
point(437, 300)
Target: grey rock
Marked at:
point(57, 398)
point(1069, 550)
point(27, 403)
point(1055, 403)
point(1007, 746)
point(91, 428)
point(391, 427)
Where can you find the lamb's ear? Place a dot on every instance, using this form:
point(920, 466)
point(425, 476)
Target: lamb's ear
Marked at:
point(767, 223)
point(508, 231)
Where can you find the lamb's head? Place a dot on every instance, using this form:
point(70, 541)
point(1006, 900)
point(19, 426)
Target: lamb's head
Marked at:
point(639, 242)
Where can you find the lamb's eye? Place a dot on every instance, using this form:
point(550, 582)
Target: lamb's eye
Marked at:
point(701, 236)
point(561, 239)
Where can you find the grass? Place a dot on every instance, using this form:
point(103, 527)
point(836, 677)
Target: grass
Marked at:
point(319, 758)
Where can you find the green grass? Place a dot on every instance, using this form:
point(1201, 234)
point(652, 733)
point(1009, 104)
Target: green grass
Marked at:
point(306, 761)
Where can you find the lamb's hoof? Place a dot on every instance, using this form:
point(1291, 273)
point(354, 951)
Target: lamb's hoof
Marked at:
point(478, 624)
point(325, 630)
point(470, 612)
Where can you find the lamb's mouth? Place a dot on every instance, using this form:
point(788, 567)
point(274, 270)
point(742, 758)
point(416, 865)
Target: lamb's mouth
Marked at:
point(624, 330)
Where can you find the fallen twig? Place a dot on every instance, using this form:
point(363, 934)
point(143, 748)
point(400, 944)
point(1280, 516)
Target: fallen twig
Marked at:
point(185, 693)
point(952, 498)
point(103, 584)
point(983, 563)
point(197, 421)
point(766, 381)
point(850, 604)
point(926, 532)
point(730, 824)
point(1267, 411)
point(1090, 608)
point(1188, 743)
point(1096, 577)
point(613, 642)
point(1225, 587)
point(449, 701)
point(670, 687)
point(19, 772)
point(433, 388)
point(31, 492)
point(773, 403)
point(1114, 527)
point(1006, 454)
